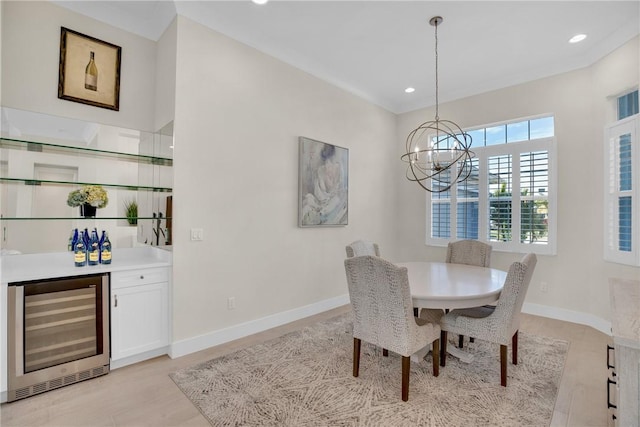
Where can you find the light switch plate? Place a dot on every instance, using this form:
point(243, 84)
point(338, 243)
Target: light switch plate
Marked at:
point(197, 234)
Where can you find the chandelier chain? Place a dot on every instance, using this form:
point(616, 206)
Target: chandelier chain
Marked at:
point(437, 103)
point(438, 154)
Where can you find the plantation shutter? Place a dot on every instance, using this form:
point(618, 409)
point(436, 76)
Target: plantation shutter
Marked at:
point(622, 221)
point(500, 184)
point(534, 196)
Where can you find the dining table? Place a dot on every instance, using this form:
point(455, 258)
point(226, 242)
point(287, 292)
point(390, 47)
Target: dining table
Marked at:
point(450, 286)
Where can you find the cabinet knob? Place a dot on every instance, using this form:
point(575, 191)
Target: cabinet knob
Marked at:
point(115, 297)
point(141, 276)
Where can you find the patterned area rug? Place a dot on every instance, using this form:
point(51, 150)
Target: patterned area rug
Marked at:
point(305, 378)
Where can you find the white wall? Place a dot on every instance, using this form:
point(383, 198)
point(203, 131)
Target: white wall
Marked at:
point(29, 81)
point(577, 276)
point(239, 114)
point(31, 55)
point(165, 92)
point(1, 8)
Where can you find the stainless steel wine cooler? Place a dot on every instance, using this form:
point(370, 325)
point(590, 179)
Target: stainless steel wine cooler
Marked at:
point(58, 333)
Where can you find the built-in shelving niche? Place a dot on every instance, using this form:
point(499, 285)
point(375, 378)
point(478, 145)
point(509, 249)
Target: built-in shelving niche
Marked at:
point(44, 157)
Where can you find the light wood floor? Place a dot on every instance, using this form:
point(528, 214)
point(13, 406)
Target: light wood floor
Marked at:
point(144, 395)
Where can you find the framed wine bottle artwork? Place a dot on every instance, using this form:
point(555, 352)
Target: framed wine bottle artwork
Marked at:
point(89, 70)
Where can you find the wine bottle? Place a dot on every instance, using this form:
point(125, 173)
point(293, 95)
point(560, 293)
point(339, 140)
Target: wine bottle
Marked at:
point(94, 249)
point(105, 248)
point(73, 238)
point(80, 252)
point(91, 74)
point(101, 241)
point(86, 238)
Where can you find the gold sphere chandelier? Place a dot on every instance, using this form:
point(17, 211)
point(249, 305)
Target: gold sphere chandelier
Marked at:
point(438, 150)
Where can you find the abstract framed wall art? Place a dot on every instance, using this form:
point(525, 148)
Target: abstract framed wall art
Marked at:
point(323, 184)
point(89, 70)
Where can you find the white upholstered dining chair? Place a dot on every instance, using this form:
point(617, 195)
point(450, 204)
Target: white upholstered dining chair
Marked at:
point(383, 313)
point(497, 324)
point(469, 252)
point(362, 247)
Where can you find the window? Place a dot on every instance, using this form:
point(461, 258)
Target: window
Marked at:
point(509, 198)
point(627, 105)
point(621, 189)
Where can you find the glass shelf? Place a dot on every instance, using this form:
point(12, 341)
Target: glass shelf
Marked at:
point(44, 157)
point(17, 144)
point(120, 186)
point(97, 218)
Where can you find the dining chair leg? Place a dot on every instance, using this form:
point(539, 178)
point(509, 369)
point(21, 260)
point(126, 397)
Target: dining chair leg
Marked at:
point(435, 353)
point(443, 348)
point(385, 352)
point(514, 348)
point(472, 339)
point(406, 367)
point(503, 365)
point(460, 341)
point(356, 356)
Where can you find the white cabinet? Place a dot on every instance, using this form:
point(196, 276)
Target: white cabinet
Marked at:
point(140, 277)
point(625, 327)
point(139, 315)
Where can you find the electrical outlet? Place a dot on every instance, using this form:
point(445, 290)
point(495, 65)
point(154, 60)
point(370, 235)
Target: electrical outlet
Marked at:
point(544, 287)
point(197, 234)
point(231, 303)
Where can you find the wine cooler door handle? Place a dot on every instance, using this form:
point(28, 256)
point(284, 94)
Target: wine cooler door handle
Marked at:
point(610, 348)
point(609, 404)
point(115, 300)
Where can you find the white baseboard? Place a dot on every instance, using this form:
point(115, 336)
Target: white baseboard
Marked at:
point(191, 345)
point(595, 322)
point(115, 364)
point(201, 342)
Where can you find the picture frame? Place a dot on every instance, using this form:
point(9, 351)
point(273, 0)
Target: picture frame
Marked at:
point(89, 70)
point(323, 184)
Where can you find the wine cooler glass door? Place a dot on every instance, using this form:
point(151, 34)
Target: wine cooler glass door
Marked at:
point(59, 326)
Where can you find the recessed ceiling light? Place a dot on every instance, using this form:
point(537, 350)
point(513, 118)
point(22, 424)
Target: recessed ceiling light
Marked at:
point(577, 38)
point(410, 89)
point(259, 1)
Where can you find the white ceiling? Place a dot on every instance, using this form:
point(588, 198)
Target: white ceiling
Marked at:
point(375, 49)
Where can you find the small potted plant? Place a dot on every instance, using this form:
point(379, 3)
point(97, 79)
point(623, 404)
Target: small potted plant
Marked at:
point(88, 198)
point(131, 211)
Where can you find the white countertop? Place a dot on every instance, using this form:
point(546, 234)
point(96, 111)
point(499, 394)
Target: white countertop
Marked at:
point(625, 316)
point(19, 268)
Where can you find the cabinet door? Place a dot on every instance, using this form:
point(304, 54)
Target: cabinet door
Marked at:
point(139, 319)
